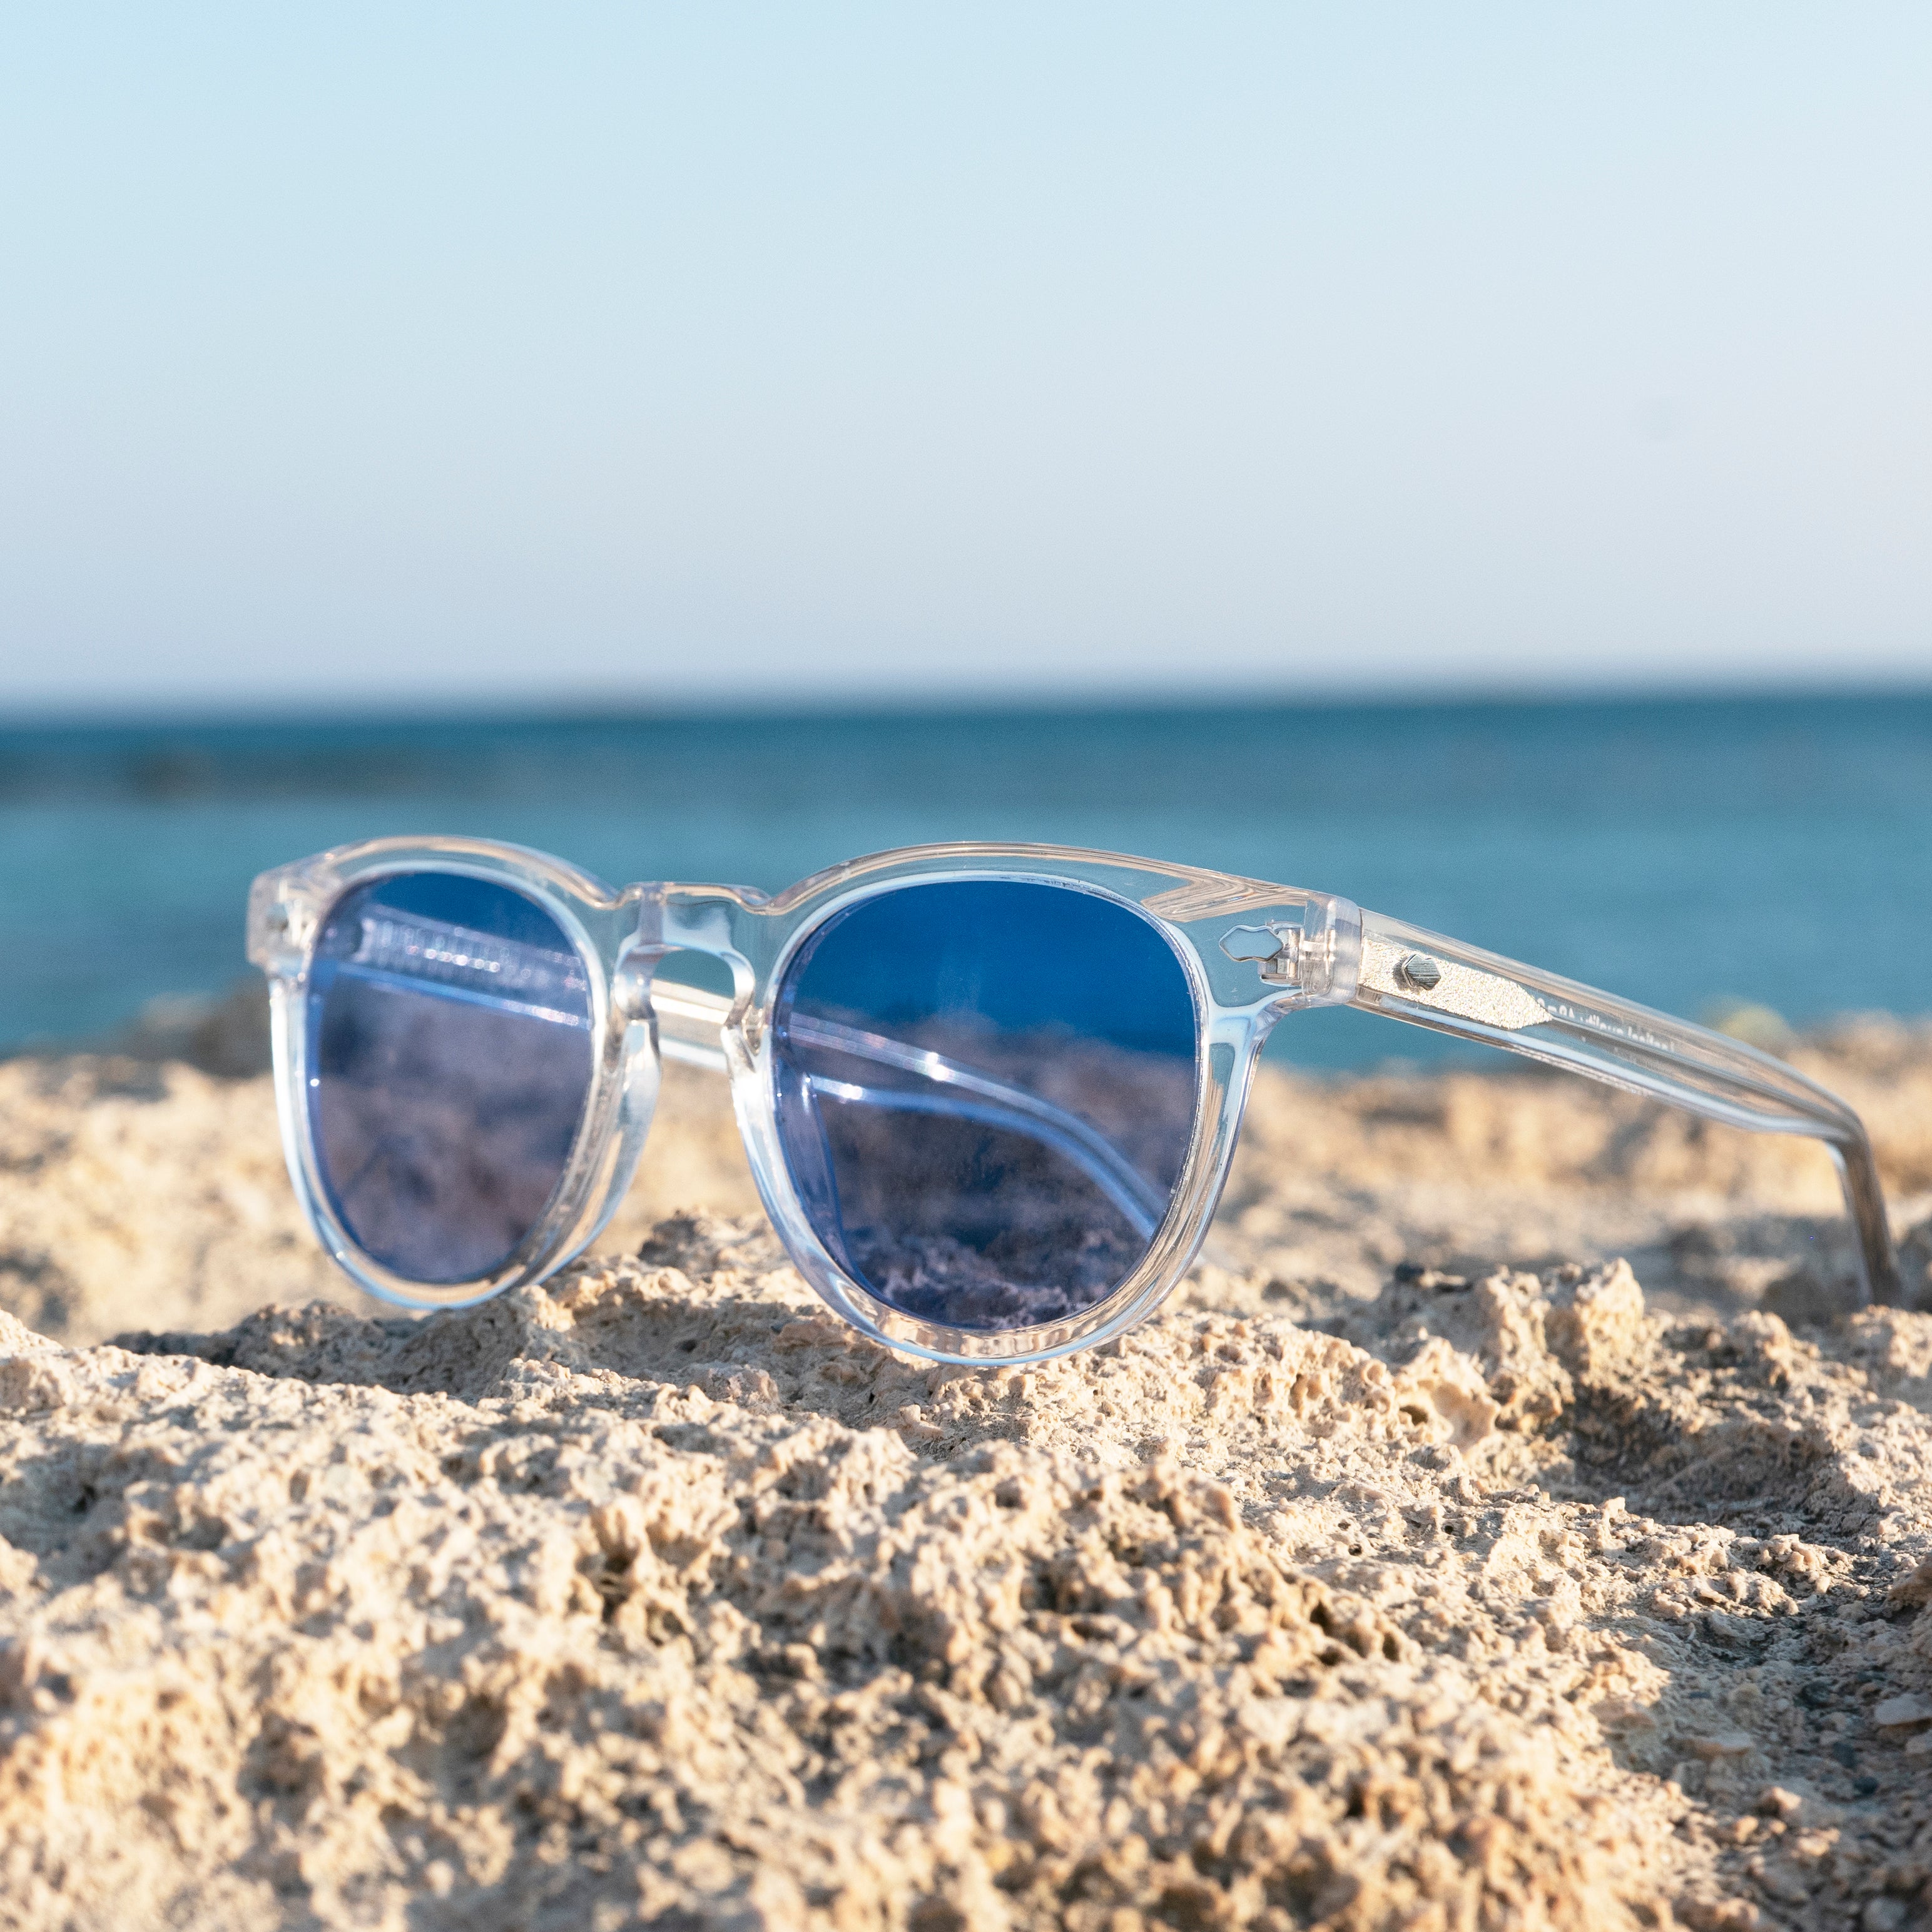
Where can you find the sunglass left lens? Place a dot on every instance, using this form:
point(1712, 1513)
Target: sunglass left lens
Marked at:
point(450, 1060)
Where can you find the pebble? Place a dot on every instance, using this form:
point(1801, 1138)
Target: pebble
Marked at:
point(1721, 1744)
point(1895, 1712)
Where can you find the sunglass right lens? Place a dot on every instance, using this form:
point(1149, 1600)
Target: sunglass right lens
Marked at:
point(450, 1061)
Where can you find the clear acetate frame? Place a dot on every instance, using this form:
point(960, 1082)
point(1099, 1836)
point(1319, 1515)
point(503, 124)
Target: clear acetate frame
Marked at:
point(1253, 952)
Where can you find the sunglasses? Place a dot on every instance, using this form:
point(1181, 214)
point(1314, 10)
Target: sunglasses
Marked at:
point(989, 1094)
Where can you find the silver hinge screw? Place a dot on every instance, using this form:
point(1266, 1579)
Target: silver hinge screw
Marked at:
point(1419, 971)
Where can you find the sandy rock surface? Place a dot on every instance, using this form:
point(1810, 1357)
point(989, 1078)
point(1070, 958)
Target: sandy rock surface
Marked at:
point(1415, 1568)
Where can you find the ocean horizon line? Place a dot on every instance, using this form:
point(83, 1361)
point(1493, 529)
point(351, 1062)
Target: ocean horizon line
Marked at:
point(619, 709)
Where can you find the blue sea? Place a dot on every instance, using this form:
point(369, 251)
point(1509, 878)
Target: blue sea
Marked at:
point(1684, 852)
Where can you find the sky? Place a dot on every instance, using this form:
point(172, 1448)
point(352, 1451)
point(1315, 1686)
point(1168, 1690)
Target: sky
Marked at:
point(648, 354)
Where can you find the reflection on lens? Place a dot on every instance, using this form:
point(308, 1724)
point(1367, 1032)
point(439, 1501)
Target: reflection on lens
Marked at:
point(449, 1061)
point(986, 1095)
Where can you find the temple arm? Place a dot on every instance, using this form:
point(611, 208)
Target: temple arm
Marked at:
point(1408, 974)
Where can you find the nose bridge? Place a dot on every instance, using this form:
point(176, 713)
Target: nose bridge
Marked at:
point(719, 923)
point(711, 919)
point(701, 920)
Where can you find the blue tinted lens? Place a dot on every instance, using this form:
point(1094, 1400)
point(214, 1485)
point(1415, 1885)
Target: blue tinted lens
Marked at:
point(985, 1095)
point(449, 1061)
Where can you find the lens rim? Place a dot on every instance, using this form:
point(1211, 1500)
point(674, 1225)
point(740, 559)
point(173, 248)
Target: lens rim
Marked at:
point(1218, 1075)
point(289, 913)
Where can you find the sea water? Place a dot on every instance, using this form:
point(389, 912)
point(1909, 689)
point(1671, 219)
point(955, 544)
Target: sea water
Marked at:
point(1681, 852)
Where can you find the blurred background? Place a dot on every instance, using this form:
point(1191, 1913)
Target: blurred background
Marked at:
point(1481, 464)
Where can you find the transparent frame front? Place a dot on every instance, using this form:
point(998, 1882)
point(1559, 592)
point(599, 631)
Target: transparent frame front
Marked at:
point(1253, 953)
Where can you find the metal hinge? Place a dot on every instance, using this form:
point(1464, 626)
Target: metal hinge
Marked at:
point(1283, 954)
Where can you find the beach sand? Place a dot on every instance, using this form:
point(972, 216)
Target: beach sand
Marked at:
point(1500, 1528)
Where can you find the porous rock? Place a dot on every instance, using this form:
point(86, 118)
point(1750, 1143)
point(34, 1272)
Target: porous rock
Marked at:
point(1401, 1573)
point(660, 1597)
